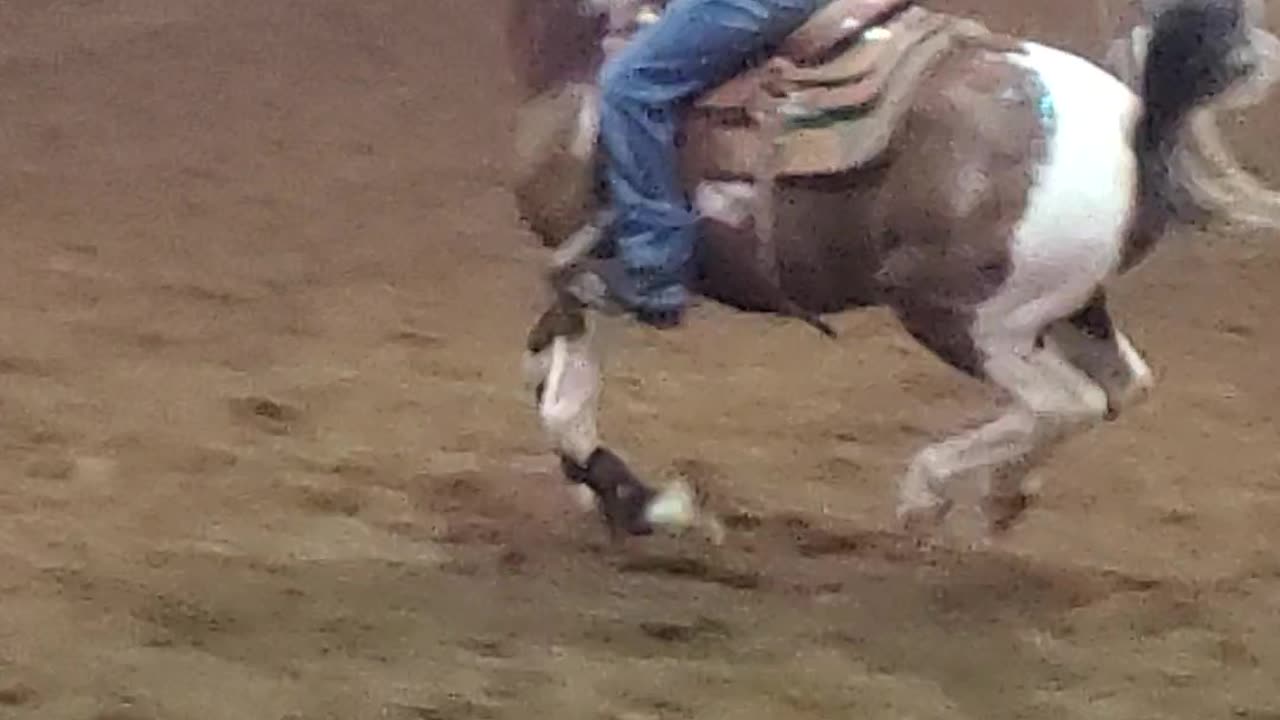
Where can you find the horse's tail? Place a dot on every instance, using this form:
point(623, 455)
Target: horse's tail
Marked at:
point(1196, 52)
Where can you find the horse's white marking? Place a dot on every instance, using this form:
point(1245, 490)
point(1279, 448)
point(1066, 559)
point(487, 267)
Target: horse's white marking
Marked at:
point(674, 507)
point(568, 405)
point(586, 130)
point(1141, 377)
point(923, 490)
point(972, 187)
point(570, 370)
point(1068, 242)
point(1073, 232)
point(571, 395)
point(728, 202)
point(535, 367)
point(1118, 367)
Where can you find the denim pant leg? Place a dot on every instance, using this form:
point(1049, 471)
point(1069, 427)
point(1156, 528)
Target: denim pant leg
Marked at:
point(694, 46)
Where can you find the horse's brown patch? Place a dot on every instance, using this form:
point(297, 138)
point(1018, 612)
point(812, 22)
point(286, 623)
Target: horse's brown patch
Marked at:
point(955, 196)
point(926, 231)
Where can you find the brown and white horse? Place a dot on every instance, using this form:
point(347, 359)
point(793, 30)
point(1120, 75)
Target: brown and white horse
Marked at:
point(1019, 183)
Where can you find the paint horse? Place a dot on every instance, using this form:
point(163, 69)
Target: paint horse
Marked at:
point(983, 188)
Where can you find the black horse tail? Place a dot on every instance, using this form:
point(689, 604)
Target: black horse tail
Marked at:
point(1198, 50)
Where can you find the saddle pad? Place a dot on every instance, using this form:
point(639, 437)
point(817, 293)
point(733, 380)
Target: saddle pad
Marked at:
point(824, 129)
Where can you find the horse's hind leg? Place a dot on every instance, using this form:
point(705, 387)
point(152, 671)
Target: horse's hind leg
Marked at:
point(1049, 399)
point(563, 362)
point(1091, 345)
point(1063, 400)
point(1091, 341)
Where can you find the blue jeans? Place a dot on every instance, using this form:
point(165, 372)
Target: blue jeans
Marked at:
point(693, 47)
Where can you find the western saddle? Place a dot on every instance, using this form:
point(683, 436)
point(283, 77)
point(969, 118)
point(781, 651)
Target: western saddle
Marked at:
point(829, 99)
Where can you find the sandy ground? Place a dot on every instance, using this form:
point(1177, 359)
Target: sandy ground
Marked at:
point(266, 454)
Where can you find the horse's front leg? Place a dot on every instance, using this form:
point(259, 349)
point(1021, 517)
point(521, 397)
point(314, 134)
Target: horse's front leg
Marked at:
point(563, 362)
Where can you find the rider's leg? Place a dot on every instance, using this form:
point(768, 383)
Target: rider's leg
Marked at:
point(695, 45)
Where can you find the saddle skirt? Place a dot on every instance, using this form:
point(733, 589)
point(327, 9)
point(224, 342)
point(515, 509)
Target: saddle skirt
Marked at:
point(831, 98)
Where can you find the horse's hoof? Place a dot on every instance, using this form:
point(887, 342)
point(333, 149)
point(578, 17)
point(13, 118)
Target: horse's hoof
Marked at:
point(676, 507)
point(612, 489)
point(625, 510)
point(922, 522)
point(681, 506)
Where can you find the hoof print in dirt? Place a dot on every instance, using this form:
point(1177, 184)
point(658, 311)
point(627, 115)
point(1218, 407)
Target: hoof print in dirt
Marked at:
point(18, 695)
point(453, 707)
point(695, 569)
point(702, 629)
point(266, 414)
point(744, 521)
point(124, 713)
point(421, 339)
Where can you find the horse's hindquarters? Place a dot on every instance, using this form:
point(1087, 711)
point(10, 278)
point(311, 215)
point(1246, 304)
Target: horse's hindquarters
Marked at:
point(1082, 201)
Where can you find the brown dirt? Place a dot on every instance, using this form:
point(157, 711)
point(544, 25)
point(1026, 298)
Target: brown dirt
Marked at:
point(267, 455)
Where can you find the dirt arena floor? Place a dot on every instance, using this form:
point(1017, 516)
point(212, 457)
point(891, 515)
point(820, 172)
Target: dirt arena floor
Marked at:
point(266, 453)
